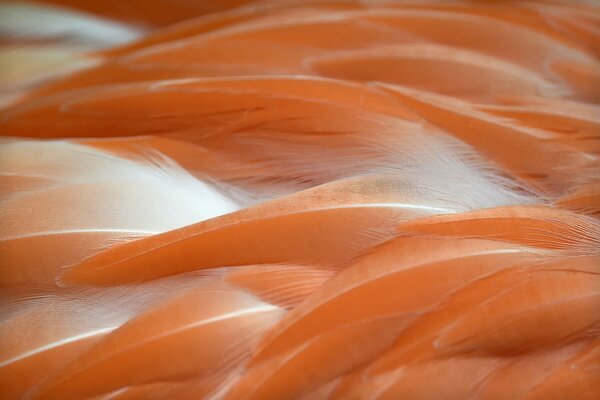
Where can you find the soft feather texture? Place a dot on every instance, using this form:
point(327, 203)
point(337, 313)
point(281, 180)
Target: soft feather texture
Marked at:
point(116, 189)
point(43, 331)
point(226, 321)
point(70, 202)
point(275, 130)
point(40, 42)
point(315, 200)
point(25, 20)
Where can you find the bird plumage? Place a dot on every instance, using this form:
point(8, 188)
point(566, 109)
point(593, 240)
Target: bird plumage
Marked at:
point(300, 200)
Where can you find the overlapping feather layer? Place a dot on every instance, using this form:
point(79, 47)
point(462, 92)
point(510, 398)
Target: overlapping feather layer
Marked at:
point(301, 200)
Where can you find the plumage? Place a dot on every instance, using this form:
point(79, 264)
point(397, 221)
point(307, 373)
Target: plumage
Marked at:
point(312, 200)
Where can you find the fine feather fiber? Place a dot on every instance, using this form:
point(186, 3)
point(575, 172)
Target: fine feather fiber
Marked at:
point(70, 202)
point(299, 200)
point(278, 148)
point(137, 198)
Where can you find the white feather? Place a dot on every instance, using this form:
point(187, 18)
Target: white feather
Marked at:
point(27, 20)
point(86, 190)
point(438, 167)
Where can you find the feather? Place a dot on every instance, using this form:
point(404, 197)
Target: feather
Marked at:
point(551, 166)
point(328, 355)
point(282, 285)
point(332, 200)
point(259, 134)
point(362, 204)
point(398, 263)
point(515, 317)
point(43, 332)
point(25, 19)
point(539, 226)
point(226, 321)
point(427, 67)
point(286, 39)
point(585, 199)
point(70, 180)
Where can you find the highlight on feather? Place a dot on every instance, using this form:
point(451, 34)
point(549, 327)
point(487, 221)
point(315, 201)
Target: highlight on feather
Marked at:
point(78, 179)
point(70, 201)
point(316, 200)
point(25, 20)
